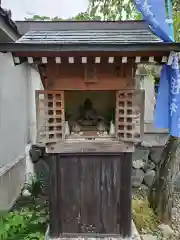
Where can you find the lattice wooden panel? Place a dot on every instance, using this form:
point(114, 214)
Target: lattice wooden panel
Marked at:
point(130, 115)
point(50, 116)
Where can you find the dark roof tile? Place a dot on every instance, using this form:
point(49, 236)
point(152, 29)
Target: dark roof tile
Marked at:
point(6, 14)
point(109, 36)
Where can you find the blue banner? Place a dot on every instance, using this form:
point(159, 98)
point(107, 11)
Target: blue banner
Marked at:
point(167, 112)
point(174, 116)
point(163, 100)
point(154, 13)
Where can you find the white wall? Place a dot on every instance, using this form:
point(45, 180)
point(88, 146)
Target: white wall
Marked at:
point(13, 110)
point(148, 85)
point(17, 124)
point(33, 85)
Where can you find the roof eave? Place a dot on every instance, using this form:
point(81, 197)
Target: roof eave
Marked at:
point(80, 47)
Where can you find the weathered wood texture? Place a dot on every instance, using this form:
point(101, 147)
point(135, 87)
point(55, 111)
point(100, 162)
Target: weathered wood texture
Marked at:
point(90, 194)
point(129, 115)
point(90, 76)
point(50, 116)
point(91, 146)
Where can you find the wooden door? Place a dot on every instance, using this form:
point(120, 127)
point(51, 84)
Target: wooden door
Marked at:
point(50, 116)
point(130, 115)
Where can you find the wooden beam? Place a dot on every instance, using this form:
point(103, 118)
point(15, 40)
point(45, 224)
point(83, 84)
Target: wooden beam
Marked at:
point(111, 60)
point(58, 60)
point(95, 54)
point(84, 59)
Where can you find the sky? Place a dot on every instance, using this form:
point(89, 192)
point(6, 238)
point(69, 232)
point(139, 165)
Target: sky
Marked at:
point(61, 8)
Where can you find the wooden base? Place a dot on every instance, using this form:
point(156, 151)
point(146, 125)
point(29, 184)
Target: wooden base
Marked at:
point(134, 236)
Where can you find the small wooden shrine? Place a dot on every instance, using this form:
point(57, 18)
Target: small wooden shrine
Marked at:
point(89, 117)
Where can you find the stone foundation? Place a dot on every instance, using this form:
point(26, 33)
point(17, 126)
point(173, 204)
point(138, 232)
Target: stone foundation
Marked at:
point(12, 179)
point(145, 160)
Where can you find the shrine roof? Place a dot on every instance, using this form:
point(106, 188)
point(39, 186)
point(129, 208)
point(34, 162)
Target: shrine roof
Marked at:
point(122, 37)
point(89, 33)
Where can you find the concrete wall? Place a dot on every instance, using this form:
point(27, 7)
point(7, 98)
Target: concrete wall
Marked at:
point(13, 110)
point(17, 123)
point(153, 136)
point(34, 84)
point(148, 85)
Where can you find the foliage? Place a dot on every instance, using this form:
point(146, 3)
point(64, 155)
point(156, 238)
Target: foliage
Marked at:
point(38, 18)
point(34, 187)
point(112, 9)
point(176, 18)
point(99, 10)
point(143, 216)
point(27, 223)
point(84, 16)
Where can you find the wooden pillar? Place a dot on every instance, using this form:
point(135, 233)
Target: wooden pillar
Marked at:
point(54, 198)
point(126, 195)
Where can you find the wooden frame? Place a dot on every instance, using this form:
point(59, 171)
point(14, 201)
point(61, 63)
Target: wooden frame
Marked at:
point(50, 116)
point(130, 115)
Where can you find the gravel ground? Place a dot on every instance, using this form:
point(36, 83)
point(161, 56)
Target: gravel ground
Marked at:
point(142, 193)
point(176, 216)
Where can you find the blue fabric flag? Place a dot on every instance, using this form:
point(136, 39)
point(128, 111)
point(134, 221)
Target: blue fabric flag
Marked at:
point(174, 115)
point(154, 13)
point(163, 100)
point(167, 112)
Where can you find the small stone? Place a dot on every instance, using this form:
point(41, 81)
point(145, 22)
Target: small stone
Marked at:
point(146, 144)
point(176, 181)
point(174, 211)
point(137, 164)
point(166, 230)
point(137, 177)
point(26, 193)
point(148, 237)
point(149, 166)
point(144, 187)
point(141, 154)
point(149, 177)
point(155, 154)
point(35, 154)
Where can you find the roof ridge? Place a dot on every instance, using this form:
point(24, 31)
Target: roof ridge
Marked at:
point(6, 14)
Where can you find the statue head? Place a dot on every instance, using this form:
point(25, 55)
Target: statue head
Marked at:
point(88, 104)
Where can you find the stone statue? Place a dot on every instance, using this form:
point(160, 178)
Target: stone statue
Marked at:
point(112, 128)
point(101, 127)
point(76, 128)
point(88, 115)
point(88, 120)
point(67, 130)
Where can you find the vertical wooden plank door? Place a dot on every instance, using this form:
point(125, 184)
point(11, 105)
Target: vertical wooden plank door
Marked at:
point(94, 194)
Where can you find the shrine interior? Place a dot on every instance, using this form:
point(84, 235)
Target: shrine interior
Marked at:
point(90, 114)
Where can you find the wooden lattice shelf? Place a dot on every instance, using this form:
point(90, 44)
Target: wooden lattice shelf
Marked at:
point(129, 115)
point(50, 116)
